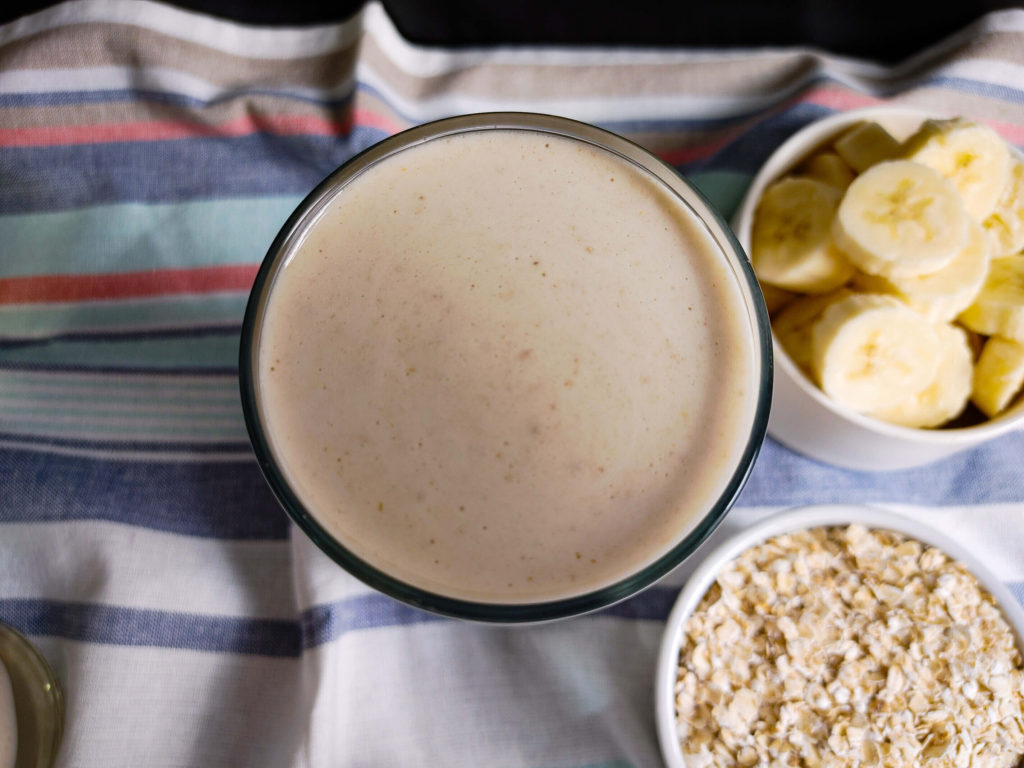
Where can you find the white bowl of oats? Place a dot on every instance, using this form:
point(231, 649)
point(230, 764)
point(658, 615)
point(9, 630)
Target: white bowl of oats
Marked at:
point(841, 635)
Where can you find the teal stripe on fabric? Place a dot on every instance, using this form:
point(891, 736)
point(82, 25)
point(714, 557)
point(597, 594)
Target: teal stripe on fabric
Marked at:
point(34, 321)
point(132, 237)
point(123, 397)
point(103, 427)
point(189, 352)
point(724, 189)
point(71, 383)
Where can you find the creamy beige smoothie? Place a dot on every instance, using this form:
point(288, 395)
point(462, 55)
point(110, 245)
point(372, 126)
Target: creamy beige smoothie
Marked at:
point(506, 366)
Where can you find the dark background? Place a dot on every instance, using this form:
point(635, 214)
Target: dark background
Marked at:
point(885, 31)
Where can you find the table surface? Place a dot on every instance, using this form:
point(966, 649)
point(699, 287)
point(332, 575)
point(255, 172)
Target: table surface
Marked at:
point(148, 157)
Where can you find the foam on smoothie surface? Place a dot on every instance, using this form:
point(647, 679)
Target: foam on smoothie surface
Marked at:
point(506, 366)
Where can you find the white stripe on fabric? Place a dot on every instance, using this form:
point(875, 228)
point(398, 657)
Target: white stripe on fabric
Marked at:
point(596, 108)
point(557, 695)
point(107, 563)
point(160, 79)
point(138, 706)
point(603, 108)
point(230, 37)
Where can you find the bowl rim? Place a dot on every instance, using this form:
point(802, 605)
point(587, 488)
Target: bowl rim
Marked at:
point(705, 215)
point(787, 521)
point(781, 161)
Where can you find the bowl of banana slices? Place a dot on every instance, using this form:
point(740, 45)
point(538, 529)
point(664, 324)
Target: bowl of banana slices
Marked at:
point(889, 244)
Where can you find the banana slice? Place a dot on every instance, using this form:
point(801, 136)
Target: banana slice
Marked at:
point(794, 324)
point(791, 244)
point(1005, 226)
point(900, 219)
point(940, 296)
point(998, 375)
point(872, 352)
point(776, 299)
point(972, 156)
point(865, 145)
point(829, 168)
point(999, 308)
point(949, 391)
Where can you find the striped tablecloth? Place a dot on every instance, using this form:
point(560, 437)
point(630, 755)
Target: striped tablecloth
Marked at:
point(147, 158)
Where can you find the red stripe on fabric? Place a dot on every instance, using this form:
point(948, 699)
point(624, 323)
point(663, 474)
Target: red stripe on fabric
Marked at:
point(288, 125)
point(367, 119)
point(832, 98)
point(126, 285)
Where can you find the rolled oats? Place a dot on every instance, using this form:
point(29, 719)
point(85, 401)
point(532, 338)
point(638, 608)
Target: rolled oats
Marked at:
point(849, 647)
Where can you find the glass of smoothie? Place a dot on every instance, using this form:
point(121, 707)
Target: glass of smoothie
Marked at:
point(506, 367)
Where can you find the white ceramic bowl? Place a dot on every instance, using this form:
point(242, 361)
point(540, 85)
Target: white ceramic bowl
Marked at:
point(785, 522)
point(802, 417)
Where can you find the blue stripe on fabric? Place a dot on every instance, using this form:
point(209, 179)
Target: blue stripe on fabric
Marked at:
point(988, 474)
point(62, 177)
point(1017, 590)
point(998, 91)
point(55, 178)
point(653, 604)
point(264, 164)
point(116, 625)
point(128, 446)
point(231, 499)
point(323, 623)
point(223, 500)
point(115, 95)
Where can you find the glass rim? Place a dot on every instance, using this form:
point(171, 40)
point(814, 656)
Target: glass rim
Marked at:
point(524, 612)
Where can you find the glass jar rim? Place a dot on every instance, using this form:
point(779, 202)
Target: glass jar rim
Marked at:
point(682, 190)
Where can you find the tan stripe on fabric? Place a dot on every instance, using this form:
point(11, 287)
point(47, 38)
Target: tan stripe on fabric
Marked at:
point(136, 111)
point(753, 74)
point(733, 76)
point(974, 106)
point(120, 45)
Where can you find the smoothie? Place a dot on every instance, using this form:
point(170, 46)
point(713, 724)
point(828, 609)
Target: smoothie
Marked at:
point(506, 366)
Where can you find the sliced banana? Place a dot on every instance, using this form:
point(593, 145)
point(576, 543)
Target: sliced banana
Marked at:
point(872, 352)
point(900, 219)
point(972, 156)
point(1005, 226)
point(865, 145)
point(940, 296)
point(998, 310)
point(998, 375)
point(829, 168)
point(776, 299)
point(794, 324)
point(791, 242)
point(947, 394)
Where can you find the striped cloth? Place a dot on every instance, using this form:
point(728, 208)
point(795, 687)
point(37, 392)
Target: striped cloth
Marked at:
point(147, 158)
